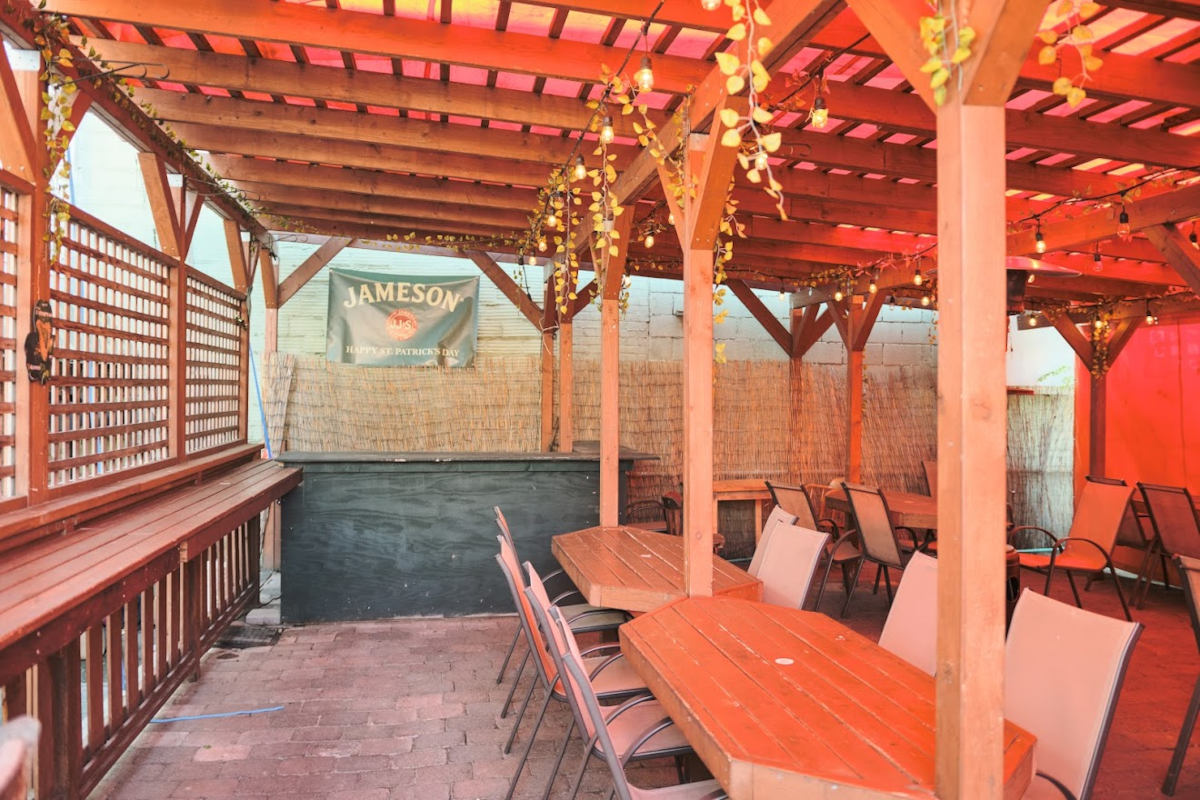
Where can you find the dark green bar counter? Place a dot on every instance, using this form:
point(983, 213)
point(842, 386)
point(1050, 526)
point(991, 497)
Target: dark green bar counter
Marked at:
point(377, 535)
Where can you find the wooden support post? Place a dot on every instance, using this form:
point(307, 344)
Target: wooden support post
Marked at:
point(610, 372)
point(1097, 424)
point(32, 399)
point(699, 523)
point(854, 403)
point(971, 451)
point(66, 727)
point(311, 266)
point(566, 386)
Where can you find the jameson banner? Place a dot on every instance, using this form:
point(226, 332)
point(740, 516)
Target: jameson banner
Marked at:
point(401, 321)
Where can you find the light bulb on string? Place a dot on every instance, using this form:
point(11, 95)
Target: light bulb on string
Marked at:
point(917, 278)
point(1096, 264)
point(1123, 229)
point(710, 5)
point(606, 130)
point(782, 294)
point(1150, 318)
point(1039, 241)
point(760, 160)
point(1031, 278)
point(873, 286)
point(580, 168)
point(838, 295)
point(1192, 237)
point(924, 299)
point(644, 77)
point(1032, 319)
point(649, 240)
point(551, 219)
point(541, 245)
point(819, 116)
point(671, 218)
point(532, 261)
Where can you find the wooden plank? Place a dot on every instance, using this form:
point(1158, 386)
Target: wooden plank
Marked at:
point(760, 312)
point(238, 256)
point(1179, 252)
point(270, 278)
point(1081, 344)
point(971, 445)
point(566, 386)
point(162, 204)
point(854, 424)
point(17, 142)
point(610, 371)
point(507, 286)
point(1098, 423)
point(548, 327)
point(311, 266)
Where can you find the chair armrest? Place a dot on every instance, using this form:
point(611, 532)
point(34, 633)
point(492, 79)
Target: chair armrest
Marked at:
point(1020, 537)
point(1057, 784)
point(593, 612)
point(645, 736)
point(829, 526)
point(1061, 545)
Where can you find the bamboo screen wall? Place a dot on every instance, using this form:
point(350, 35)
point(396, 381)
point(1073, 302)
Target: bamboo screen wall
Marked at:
point(318, 406)
point(108, 396)
point(8, 341)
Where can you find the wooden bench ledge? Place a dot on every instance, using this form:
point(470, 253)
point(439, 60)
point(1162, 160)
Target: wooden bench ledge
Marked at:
point(25, 524)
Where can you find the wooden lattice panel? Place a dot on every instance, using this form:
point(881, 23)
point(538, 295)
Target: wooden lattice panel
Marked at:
point(8, 340)
point(214, 354)
point(108, 396)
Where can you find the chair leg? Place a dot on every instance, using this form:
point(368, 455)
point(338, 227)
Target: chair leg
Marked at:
point(878, 571)
point(520, 715)
point(562, 751)
point(512, 786)
point(587, 757)
point(512, 647)
point(1185, 737)
point(824, 580)
point(1074, 591)
point(516, 680)
point(887, 582)
point(853, 584)
point(1120, 594)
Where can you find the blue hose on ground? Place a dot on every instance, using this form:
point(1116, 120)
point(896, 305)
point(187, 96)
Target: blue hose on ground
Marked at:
point(218, 716)
point(262, 413)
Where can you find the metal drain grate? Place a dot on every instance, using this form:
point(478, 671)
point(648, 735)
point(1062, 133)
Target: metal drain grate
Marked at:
point(239, 637)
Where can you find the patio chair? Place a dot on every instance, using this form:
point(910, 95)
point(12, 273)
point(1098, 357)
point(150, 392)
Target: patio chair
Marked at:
point(930, 470)
point(1088, 546)
point(1063, 672)
point(910, 630)
point(615, 679)
point(796, 501)
point(1175, 524)
point(673, 511)
point(636, 730)
point(788, 565)
point(1189, 575)
point(648, 515)
point(777, 517)
point(877, 538)
point(582, 614)
point(18, 744)
point(1132, 534)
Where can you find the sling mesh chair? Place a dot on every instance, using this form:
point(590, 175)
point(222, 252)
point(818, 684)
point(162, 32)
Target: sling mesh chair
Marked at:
point(1063, 672)
point(1132, 534)
point(614, 677)
point(584, 617)
point(789, 560)
point(877, 538)
point(1174, 520)
point(796, 501)
point(1088, 546)
point(18, 746)
point(636, 730)
point(910, 630)
point(777, 517)
point(673, 512)
point(1189, 574)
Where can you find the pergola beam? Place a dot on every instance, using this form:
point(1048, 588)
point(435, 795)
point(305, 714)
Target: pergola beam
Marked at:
point(507, 286)
point(760, 312)
point(1179, 252)
point(310, 267)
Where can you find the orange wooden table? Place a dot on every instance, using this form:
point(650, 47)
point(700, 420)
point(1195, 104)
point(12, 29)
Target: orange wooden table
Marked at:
point(743, 489)
point(638, 570)
point(781, 703)
point(907, 508)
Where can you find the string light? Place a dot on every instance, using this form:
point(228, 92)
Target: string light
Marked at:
point(873, 286)
point(917, 279)
point(551, 219)
point(1192, 237)
point(1096, 265)
point(1150, 318)
point(644, 77)
point(606, 130)
point(532, 261)
point(626, 281)
point(782, 294)
point(924, 299)
point(1031, 278)
point(671, 218)
point(542, 244)
point(580, 168)
point(819, 116)
point(1123, 229)
point(838, 295)
point(649, 240)
point(1039, 241)
point(1032, 319)
point(760, 160)
point(710, 5)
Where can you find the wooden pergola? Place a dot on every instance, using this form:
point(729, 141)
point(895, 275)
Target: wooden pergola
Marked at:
point(437, 126)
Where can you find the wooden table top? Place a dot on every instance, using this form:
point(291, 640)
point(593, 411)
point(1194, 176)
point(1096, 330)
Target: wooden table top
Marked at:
point(638, 570)
point(756, 488)
point(907, 508)
point(781, 703)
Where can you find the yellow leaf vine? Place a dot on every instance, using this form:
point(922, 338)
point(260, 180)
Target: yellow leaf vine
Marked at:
point(1077, 36)
point(948, 45)
point(748, 132)
point(49, 36)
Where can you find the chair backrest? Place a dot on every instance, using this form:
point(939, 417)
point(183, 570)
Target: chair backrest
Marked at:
point(1174, 518)
point(539, 603)
point(1189, 575)
point(503, 523)
point(1099, 512)
point(874, 524)
point(1130, 533)
point(930, 468)
point(1063, 672)
point(507, 559)
point(910, 630)
point(794, 500)
point(777, 517)
point(789, 563)
point(673, 513)
point(18, 743)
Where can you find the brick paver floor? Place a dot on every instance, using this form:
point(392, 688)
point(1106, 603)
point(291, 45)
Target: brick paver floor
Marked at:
point(409, 708)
